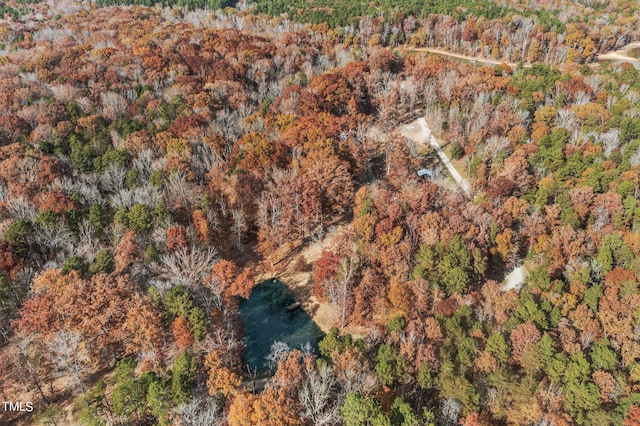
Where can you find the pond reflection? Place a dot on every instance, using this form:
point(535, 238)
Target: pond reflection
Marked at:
point(267, 319)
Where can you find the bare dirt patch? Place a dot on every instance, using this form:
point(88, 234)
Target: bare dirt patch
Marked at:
point(515, 279)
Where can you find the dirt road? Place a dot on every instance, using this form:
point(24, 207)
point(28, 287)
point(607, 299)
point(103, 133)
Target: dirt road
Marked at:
point(621, 54)
point(473, 59)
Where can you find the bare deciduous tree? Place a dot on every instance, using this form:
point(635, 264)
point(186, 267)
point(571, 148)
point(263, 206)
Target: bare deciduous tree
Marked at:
point(339, 288)
point(112, 179)
point(64, 92)
point(450, 411)
point(278, 349)
point(317, 398)
point(177, 190)
point(70, 356)
point(114, 105)
point(610, 141)
point(21, 209)
point(201, 411)
point(144, 164)
point(29, 367)
point(57, 239)
point(187, 266)
point(239, 226)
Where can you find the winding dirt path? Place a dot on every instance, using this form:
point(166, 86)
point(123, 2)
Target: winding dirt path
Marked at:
point(614, 55)
point(621, 54)
point(478, 59)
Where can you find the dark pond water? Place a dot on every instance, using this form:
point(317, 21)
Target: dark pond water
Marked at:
point(267, 320)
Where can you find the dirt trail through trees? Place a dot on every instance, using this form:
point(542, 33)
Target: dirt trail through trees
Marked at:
point(621, 54)
point(614, 55)
point(418, 132)
point(473, 59)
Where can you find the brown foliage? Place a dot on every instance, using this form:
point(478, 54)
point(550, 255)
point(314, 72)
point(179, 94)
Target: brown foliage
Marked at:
point(242, 285)
point(606, 383)
point(632, 418)
point(485, 363)
point(10, 263)
point(177, 238)
point(291, 371)
point(137, 142)
point(144, 325)
point(369, 301)
point(328, 92)
point(126, 252)
point(522, 337)
point(231, 280)
point(400, 296)
point(324, 269)
point(12, 129)
point(202, 226)
point(182, 333)
point(500, 187)
point(221, 379)
point(616, 313)
point(268, 409)
point(97, 308)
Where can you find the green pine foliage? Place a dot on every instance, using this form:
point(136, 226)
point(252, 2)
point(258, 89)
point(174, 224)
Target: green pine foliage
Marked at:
point(341, 12)
point(103, 263)
point(391, 366)
point(183, 375)
point(189, 4)
point(358, 410)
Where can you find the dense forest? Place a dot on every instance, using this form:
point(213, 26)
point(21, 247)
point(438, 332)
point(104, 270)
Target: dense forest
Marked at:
point(553, 32)
point(532, 31)
point(154, 162)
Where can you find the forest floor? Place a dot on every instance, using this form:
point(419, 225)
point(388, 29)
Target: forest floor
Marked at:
point(298, 280)
point(57, 392)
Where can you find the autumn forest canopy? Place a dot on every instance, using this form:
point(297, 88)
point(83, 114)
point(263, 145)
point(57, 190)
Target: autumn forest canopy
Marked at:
point(158, 160)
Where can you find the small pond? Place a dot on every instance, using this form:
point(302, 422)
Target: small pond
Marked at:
point(266, 320)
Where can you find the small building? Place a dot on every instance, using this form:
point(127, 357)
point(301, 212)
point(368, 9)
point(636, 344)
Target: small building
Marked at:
point(425, 173)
